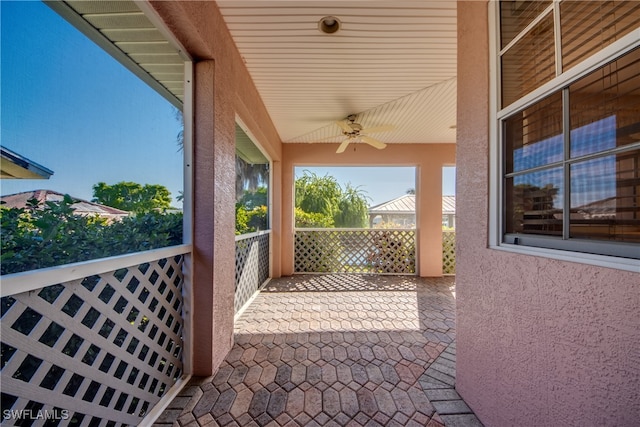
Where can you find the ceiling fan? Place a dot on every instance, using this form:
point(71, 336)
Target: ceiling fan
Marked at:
point(354, 131)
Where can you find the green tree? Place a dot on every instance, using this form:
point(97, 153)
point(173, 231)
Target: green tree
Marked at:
point(312, 220)
point(251, 211)
point(353, 209)
point(132, 197)
point(253, 199)
point(324, 196)
point(40, 236)
point(250, 176)
point(316, 194)
point(250, 220)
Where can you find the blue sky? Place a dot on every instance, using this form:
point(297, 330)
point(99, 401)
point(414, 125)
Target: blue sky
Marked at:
point(380, 184)
point(72, 108)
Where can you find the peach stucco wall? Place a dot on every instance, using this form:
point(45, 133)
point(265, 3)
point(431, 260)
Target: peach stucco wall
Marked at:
point(223, 90)
point(427, 158)
point(540, 342)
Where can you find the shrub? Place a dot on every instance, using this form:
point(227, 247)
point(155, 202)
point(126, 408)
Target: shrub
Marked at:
point(250, 220)
point(312, 220)
point(45, 236)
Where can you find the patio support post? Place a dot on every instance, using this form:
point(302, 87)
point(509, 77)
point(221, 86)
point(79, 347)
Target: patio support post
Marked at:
point(275, 212)
point(288, 218)
point(429, 217)
point(213, 220)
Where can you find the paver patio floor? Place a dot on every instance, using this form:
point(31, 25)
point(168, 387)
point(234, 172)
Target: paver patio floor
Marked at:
point(335, 350)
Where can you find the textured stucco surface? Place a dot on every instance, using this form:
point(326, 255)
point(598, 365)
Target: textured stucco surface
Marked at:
point(540, 342)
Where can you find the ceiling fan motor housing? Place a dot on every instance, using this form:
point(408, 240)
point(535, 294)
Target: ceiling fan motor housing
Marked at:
point(357, 127)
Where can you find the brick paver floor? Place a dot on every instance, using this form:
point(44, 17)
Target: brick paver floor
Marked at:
point(335, 350)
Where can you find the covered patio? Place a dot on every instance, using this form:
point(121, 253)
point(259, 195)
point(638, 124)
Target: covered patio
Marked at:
point(335, 350)
point(185, 335)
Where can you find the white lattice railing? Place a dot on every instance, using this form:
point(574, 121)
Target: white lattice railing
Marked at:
point(96, 343)
point(449, 252)
point(252, 265)
point(382, 251)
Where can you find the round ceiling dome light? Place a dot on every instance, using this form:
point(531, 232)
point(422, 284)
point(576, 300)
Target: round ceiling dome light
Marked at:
point(329, 24)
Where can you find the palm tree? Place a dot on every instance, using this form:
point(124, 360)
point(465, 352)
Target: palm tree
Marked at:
point(250, 176)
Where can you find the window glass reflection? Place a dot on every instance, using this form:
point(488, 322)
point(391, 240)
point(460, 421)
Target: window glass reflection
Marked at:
point(588, 26)
point(529, 63)
point(534, 135)
point(535, 202)
point(515, 15)
point(605, 198)
point(605, 107)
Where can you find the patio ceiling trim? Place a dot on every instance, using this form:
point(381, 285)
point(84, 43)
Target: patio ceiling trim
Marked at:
point(126, 33)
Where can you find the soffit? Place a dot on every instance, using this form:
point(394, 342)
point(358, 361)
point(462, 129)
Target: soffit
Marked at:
point(391, 63)
point(247, 150)
point(124, 31)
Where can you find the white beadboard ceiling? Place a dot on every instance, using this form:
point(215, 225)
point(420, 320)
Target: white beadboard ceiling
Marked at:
point(392, 62)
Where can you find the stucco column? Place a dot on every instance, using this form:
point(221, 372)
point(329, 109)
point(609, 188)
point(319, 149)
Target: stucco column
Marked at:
point(213, 221)
point(429, 218)
point(275, 211)
point(288, 218)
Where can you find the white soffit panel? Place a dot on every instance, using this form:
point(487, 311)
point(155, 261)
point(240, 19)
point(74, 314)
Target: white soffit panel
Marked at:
point(123, 30)
point(391, 62)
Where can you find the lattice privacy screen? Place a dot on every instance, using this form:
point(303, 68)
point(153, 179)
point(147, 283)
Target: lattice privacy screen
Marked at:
point(449, 252)
point(100, 351)
point(252, 267)
point(355, 251)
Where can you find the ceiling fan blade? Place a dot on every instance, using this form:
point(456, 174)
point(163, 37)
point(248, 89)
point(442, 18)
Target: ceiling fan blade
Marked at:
point(373, 142)
point(344, 126)
point(343, 146)
point(384, 128)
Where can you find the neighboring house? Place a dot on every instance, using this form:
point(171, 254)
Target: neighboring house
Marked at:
point(15, 166)
point(402, 211)
point(81, 207)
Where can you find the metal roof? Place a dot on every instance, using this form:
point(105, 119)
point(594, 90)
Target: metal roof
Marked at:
point(406, 204)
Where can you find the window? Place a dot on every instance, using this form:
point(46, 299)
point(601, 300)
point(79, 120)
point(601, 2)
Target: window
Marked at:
point(569, 125)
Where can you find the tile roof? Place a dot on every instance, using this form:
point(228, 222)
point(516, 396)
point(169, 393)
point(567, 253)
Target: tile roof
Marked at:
point(81, 207)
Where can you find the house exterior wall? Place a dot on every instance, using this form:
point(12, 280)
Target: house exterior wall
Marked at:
point(428, 158)
point(539, 341)
point(223, 89)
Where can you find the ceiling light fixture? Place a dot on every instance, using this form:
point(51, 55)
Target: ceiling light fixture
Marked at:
point(329, 24)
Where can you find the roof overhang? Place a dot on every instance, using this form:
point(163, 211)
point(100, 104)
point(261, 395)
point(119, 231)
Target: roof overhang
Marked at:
point(15, 166)
point(129, 34)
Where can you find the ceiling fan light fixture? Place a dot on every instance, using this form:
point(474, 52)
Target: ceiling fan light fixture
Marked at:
point(329, 24)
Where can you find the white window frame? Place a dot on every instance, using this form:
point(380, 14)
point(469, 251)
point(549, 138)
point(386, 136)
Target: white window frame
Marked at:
point(496, 143)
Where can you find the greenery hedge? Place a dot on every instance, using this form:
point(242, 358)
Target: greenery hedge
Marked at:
point(50, 235)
